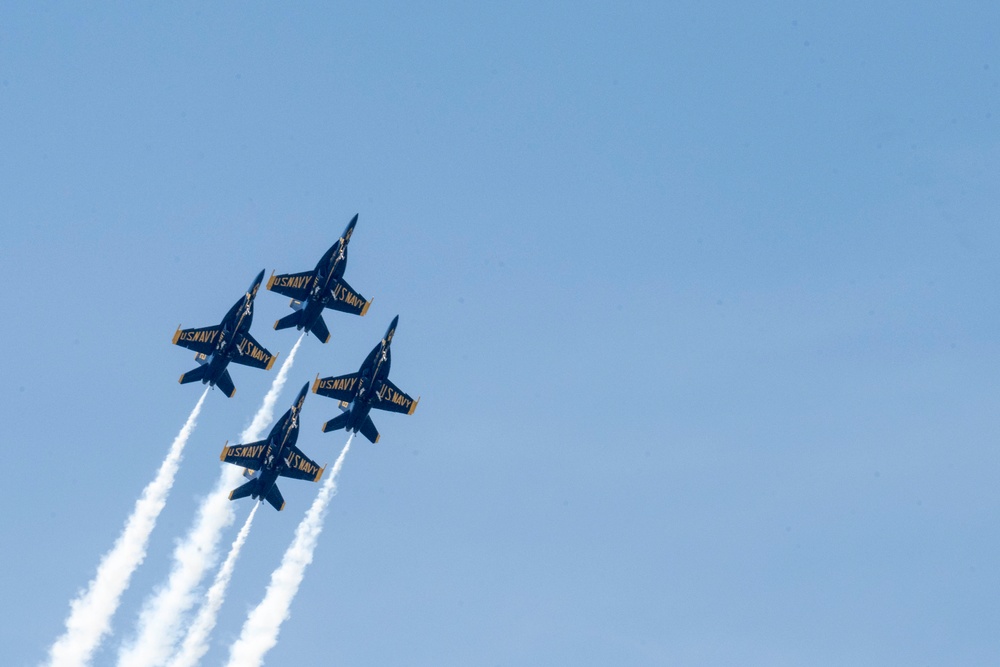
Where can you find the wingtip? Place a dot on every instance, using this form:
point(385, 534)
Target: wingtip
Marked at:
point(315, 384)
point(413, 408)
point(270, 281)
point(271, 362)
point(364, 310)
point(177, 335)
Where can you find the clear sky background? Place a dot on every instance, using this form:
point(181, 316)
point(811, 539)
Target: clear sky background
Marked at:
point(701, 301)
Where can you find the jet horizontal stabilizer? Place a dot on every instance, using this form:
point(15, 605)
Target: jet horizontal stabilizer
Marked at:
point(318, 329)
point(197, 374)
point(337, 422)
point(289, 321)
point(225, 383)
point(274, 497)
point(243, 491)
point(368, 430)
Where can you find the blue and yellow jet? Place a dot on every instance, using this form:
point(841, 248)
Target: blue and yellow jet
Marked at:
point(369, 388)
point(323, 287)
point(216, 346)
point(277, 456)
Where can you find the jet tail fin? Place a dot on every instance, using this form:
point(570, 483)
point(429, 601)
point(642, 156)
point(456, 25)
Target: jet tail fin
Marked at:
point(274, 497)
point(338, 422)
point(368, 430)
point(289, 321)
point(225, 383)
point(243, 491)
point(199, 373)
point(319, 330)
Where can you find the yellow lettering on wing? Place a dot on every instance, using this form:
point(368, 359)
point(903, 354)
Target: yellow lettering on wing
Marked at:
point(307, 467)
point(297, 462)
point(246, 451)
point(199, 336)
point(394, 397)
point(254, 352)
point(339, 384)
point(294, 282)
point(348, 297)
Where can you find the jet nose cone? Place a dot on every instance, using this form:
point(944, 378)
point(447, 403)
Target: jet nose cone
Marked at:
point(257, 281)
point(350, 228)
point(391, 331)
point(302, 394)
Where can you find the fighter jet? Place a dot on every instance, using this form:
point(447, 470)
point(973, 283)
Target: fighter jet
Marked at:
point(323, 287)
point(274, 457)
point(230, 341)
point(369, 388)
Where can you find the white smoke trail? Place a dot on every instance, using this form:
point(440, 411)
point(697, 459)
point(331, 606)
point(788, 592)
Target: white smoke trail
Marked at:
point(90, 613)
point(158, 627)
point(265, 415)
point(260, 630)
point(195, 644)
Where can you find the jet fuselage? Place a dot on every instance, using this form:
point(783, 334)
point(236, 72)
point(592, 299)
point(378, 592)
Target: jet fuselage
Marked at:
point(280, 441)
point(373, 371)
point(312, 292)
point(237, 321)
point(328, 272)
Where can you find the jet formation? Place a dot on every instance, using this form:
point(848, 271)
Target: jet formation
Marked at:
point(311, 293)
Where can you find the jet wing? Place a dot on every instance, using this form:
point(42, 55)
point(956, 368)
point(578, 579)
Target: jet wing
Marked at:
point(299, 466)
point(252, 353)
point(346, 300)
point(342, 387)
point(200, 340)
point(249, 456)
point(294, 285)
point(394, 400)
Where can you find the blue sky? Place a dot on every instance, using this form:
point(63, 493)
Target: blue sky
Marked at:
point(700, 301)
